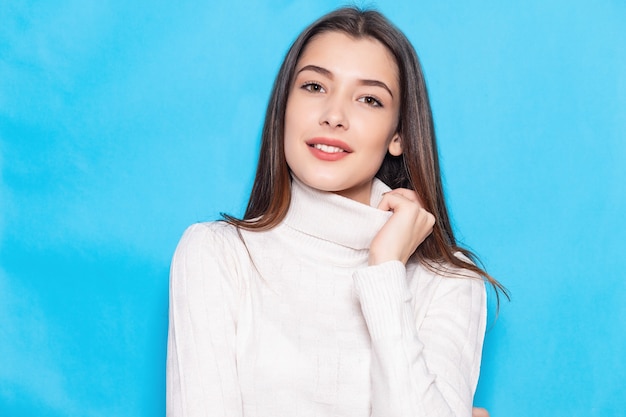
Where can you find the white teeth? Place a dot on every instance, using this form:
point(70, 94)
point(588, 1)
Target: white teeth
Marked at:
point(327, 148)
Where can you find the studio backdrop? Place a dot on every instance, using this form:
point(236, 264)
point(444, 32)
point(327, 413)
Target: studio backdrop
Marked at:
point(121, 123)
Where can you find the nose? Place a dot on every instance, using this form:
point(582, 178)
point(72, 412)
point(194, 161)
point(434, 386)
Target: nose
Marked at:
point(334, 113)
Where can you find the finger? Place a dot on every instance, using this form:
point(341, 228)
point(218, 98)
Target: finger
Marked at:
point(395, 201)
point(410, 194)
point(406, 193)
point(392, 200)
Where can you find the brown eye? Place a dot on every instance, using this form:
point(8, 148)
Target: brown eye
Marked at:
point(371, 101)
point(313, 87)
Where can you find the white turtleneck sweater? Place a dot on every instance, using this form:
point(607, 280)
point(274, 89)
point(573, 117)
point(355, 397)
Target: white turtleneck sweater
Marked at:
point(292, 322)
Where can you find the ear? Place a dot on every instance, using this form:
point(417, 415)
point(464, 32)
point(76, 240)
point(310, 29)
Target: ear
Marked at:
point(395, 146)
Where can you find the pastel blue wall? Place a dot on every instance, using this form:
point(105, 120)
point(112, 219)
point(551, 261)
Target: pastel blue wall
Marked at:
point(123, 122)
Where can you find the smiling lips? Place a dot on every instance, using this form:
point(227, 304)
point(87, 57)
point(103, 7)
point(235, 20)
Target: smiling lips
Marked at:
point(328, 149)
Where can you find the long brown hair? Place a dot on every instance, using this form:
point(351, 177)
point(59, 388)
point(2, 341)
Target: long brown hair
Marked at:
point(417, 168)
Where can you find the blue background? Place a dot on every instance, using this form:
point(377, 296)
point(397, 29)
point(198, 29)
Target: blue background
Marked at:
point(123, 122)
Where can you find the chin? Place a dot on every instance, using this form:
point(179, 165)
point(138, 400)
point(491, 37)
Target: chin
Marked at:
point(321, 184)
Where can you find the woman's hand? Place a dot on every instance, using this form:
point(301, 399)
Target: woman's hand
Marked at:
point(479, 412)
point(408, 226)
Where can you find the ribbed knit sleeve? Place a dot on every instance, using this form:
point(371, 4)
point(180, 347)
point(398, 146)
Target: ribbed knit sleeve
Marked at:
point(422, 366)
point(204, 293)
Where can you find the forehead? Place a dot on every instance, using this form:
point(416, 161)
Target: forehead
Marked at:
point(342, 54)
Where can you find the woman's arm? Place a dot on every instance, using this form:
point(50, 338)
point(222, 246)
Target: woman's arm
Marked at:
point(428, 368)
point(425, 368)
point(201, 362)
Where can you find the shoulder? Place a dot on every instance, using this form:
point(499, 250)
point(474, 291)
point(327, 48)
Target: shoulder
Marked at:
point(208, 234)
point(209, 256)
point(218, 241)
point(435, 274)
point(447, 285)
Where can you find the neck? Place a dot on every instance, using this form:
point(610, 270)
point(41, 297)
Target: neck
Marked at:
point(361, 193)
point(331, 217)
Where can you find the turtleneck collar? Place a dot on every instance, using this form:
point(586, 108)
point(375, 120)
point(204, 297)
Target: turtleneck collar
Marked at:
point(331, 217)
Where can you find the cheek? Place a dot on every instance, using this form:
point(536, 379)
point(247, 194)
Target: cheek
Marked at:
point(291, 118)
point(299, 119)
point(381, 134)
point(290, 132)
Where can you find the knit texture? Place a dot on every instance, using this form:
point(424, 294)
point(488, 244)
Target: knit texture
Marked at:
point(293, 322)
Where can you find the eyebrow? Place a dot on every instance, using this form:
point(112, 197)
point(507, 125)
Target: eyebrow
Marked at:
point(328, 74)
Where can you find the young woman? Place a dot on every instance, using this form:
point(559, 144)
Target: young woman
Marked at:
point(342, 291)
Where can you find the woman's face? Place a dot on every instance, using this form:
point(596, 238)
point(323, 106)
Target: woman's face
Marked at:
point(342, 114)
